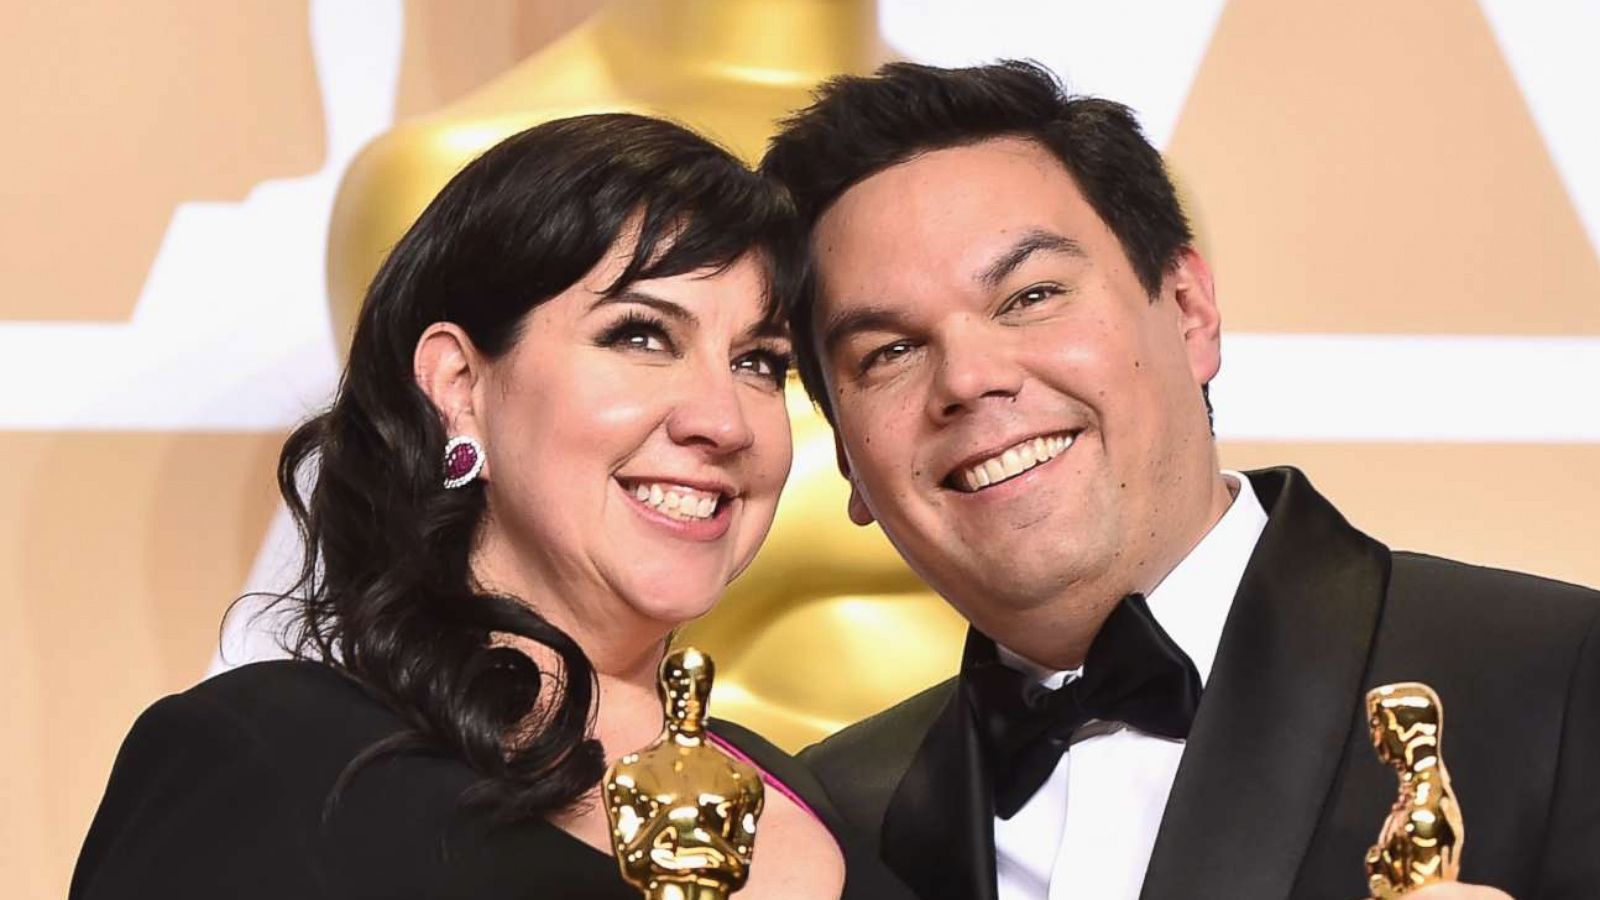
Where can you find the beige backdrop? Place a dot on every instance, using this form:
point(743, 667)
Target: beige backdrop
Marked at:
point(1370, 169)
point(1374, 168)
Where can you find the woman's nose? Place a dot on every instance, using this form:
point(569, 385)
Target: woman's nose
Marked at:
point(708, 414)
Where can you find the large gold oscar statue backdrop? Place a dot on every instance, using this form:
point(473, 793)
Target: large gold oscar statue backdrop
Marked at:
point(798, 639)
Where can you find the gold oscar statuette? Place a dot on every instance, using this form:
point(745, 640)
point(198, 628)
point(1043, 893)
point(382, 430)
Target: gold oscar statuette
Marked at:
point(1422, 838)
point(683, 813)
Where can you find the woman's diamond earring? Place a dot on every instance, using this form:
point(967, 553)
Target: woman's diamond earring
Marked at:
point(463, 460)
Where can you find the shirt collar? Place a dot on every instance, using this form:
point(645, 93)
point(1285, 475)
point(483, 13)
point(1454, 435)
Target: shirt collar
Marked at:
point(1192, 602)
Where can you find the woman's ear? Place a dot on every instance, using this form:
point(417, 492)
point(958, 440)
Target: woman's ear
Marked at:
point(453, 374)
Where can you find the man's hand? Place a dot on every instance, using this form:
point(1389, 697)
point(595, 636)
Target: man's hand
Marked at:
point(1450, 890)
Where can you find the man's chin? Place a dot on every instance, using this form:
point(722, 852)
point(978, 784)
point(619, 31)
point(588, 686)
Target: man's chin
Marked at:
point(1007, 585)
point(1007, 598)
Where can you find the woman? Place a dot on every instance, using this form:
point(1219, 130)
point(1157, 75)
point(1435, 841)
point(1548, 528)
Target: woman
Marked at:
point(561, 433)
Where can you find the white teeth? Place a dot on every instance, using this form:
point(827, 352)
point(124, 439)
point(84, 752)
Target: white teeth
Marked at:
point(996, 471)
point(677, 501)
point(1013, 461)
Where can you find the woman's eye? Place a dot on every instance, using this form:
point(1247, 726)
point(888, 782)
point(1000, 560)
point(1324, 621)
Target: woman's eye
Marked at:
point(637, 333)
point(888, 353)
point(769, 365)
point(640, 340)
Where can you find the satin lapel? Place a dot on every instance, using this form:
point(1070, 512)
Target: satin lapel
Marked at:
point(1279, 706)
point(938, 831)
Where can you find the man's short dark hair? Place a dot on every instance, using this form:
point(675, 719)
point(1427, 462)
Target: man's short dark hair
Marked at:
point(859, 126)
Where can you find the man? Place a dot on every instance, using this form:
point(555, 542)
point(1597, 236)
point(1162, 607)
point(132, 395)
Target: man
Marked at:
point(1004, 318)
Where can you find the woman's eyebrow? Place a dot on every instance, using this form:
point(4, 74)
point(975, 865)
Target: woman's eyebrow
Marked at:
point(632, 295)
point(768, 327)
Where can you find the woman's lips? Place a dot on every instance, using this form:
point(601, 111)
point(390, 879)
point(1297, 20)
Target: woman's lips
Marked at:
point(679, 510)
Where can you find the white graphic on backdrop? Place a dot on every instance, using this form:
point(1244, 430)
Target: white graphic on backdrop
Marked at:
point(1355, 387)
point(1550, 49)
point(231, 328)
point(358, 64)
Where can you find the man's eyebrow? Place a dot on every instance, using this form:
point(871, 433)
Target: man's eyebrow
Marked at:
point(665, 307)
point(1031, 242)
point(841, 326)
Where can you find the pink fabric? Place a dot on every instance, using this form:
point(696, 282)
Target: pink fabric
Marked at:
point(766, 776)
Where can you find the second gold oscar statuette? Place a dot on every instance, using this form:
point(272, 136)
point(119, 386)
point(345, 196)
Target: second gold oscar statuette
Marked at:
point(683, 813)
point(1421, 840)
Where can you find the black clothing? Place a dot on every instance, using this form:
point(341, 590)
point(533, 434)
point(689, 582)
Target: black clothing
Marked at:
point(1134, 673)
point(220, 792)
point(1279, 793)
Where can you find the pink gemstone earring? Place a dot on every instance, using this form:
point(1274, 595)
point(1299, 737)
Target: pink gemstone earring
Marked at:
point(463, 460)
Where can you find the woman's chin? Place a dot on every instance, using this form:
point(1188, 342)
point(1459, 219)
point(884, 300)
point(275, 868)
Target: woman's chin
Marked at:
point(671, 609)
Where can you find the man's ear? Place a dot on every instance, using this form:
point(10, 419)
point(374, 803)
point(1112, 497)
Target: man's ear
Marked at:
point(857, 507)
point(1189, 280)
point(449, 369)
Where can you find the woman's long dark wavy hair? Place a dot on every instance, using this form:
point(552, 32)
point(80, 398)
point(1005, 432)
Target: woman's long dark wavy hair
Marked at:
point(386, 592)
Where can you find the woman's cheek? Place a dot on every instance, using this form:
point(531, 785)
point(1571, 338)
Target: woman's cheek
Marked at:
point(776, 448)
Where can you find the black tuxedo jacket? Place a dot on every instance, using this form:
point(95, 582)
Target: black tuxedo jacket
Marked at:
point(222, 792)
point(1278, 793)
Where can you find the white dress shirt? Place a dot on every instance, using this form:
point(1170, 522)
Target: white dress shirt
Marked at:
point(1089, 830)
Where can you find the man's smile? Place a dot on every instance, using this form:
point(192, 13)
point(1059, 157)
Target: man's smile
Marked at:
point(996, 467)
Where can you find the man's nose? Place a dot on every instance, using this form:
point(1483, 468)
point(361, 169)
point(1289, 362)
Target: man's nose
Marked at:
point(971, 365)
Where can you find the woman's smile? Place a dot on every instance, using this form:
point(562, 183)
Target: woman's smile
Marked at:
point(680, 510)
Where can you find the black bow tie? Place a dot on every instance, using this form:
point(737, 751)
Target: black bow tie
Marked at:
point(1134, 673)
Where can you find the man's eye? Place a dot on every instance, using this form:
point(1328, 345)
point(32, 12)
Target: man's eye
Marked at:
point(769, 365)
point(888, 353)
point(1031, 296)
